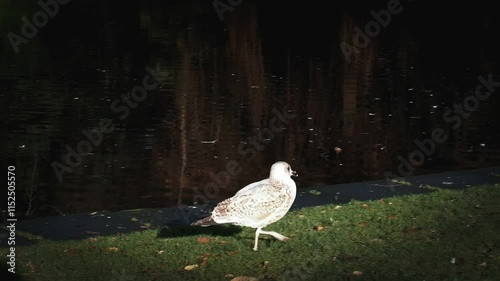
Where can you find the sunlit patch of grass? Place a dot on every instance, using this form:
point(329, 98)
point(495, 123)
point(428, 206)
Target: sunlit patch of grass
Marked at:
point(443, 235)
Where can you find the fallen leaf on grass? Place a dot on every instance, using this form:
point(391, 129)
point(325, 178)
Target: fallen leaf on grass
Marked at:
point(265, 265)
point(160, 252)
point(232, 253)
point(364, 206)
point(357, 273)
point(457, 260)
point(413, 229)
point(31, 266)
point(391, 217)
point(244, 278)
point(204, 261)
point(362, 224)
point(337, 207)
point(202, 240)
point(112, 249)
point(191, 267)
point(319, 228)
point(71, 252)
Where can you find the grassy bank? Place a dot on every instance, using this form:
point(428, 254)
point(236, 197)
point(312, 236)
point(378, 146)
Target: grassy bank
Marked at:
point(445, 235)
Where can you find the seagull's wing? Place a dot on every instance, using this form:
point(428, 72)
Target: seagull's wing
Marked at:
point(253, 203)
point(251, 188)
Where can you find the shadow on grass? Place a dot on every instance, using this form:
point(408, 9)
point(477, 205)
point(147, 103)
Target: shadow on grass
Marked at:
point(181, 231)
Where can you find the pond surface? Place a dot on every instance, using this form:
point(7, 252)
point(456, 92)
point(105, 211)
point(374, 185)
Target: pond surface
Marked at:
point(113, 105)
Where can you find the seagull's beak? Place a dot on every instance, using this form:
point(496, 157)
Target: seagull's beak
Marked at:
point(294, 174)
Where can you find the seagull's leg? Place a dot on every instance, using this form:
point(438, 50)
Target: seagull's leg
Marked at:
point(257, 232)
point(275, 235)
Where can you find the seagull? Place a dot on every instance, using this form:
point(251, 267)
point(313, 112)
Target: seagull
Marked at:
point(258, 204)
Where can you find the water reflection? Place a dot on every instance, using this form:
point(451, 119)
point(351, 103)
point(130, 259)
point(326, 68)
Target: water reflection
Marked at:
point(222, 84)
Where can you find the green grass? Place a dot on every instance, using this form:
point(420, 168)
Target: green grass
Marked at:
point(444, 235)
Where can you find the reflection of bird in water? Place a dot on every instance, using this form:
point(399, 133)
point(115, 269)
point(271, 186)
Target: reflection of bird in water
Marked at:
point(258, 204)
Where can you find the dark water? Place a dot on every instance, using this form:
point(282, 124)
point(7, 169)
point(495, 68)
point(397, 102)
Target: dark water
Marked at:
point(215, 103)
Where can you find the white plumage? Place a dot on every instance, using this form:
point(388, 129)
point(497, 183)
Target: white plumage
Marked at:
point(258, 204)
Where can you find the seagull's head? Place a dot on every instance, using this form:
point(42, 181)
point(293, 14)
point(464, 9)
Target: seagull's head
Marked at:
point(282, 169)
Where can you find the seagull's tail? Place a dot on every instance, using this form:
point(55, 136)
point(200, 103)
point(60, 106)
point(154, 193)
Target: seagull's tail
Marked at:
point(204, 222)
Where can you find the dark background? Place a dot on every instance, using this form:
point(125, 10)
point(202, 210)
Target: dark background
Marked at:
point(222, 80)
